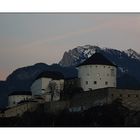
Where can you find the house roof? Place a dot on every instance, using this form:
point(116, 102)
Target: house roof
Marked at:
point(51, 74)
point(97, 59)
point(20, 93)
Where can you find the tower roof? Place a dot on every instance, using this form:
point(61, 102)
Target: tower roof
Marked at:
point(97, 59)
point(20, 93)
point(51, 74)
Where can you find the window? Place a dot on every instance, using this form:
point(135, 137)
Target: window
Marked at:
point(112, 72)
point(120, 95)
point(107, 74)
point(95, 82)
point(86, 82)
point(128, 95)
point(106, 83)
point(137, 96)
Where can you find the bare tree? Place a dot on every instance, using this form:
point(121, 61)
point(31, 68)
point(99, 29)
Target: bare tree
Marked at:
point(53, 88)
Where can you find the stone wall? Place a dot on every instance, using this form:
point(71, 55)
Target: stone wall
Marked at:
point(81, 101)
point(56, 107)
point(20, 109)
point(88, 99)
point(130, 98)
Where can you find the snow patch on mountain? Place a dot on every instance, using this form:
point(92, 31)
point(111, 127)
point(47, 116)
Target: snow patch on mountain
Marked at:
point(133, 54)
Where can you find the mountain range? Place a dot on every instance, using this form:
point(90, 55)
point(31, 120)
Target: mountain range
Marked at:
point(128, 71)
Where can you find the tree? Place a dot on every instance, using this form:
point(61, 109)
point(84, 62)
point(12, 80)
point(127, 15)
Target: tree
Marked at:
point(53, 88)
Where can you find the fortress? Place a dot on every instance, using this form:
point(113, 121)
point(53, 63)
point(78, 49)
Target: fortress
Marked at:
point(96, 79)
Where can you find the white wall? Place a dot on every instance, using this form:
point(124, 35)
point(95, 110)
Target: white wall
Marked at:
point(41, 87)
point(102, 74)
point(14, 99)
point(35, 88)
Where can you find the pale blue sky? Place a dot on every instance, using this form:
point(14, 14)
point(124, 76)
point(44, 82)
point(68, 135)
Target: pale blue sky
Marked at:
point(26, 39)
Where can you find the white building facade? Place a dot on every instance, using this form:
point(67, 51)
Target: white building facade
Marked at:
point(48, 85)
point(97, 72)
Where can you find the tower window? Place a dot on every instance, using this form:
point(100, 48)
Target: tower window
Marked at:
point(112, 72)
point(95, 82)
point(106, 83)
point(86, 82)
point(136, 96)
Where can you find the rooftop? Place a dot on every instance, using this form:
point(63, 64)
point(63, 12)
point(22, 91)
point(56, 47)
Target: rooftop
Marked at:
point(97, 59)
point(51, 74)
point(20, 93)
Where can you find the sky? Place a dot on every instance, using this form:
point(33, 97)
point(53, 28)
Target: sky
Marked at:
point(26, 39)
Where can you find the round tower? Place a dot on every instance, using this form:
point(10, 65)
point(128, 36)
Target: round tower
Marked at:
point(97, 72)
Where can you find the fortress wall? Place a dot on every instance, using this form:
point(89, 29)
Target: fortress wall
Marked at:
point(90, 98)
point(57, 106)
point(20, 109)
point(81, 101)
point(130, 98)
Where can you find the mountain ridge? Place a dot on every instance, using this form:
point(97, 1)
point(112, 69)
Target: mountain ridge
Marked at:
point(128, 63)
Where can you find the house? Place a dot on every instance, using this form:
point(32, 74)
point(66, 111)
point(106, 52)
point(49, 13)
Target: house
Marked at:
point(97, 72)
point(48, 85)
point(17, 96)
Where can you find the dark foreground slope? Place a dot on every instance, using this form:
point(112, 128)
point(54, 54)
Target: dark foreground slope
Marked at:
point(112, 115)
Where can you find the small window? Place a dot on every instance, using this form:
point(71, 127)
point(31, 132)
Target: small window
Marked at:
point(120, 95)
point(112, 95)
point(112, 72)
point(107, 74)
point(96, 66)
point(128, 95)
point(86, 82)
point(106, 83)
point(95, 82)
point(137, 96)
point(87, 74)
point(104, 66)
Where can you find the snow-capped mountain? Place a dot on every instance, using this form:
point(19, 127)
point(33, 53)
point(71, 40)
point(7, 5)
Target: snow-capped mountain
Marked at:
point(132, 54)
point(128, 61)
point(78, 55)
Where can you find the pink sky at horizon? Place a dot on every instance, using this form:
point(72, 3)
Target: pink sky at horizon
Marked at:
point(26, 39)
